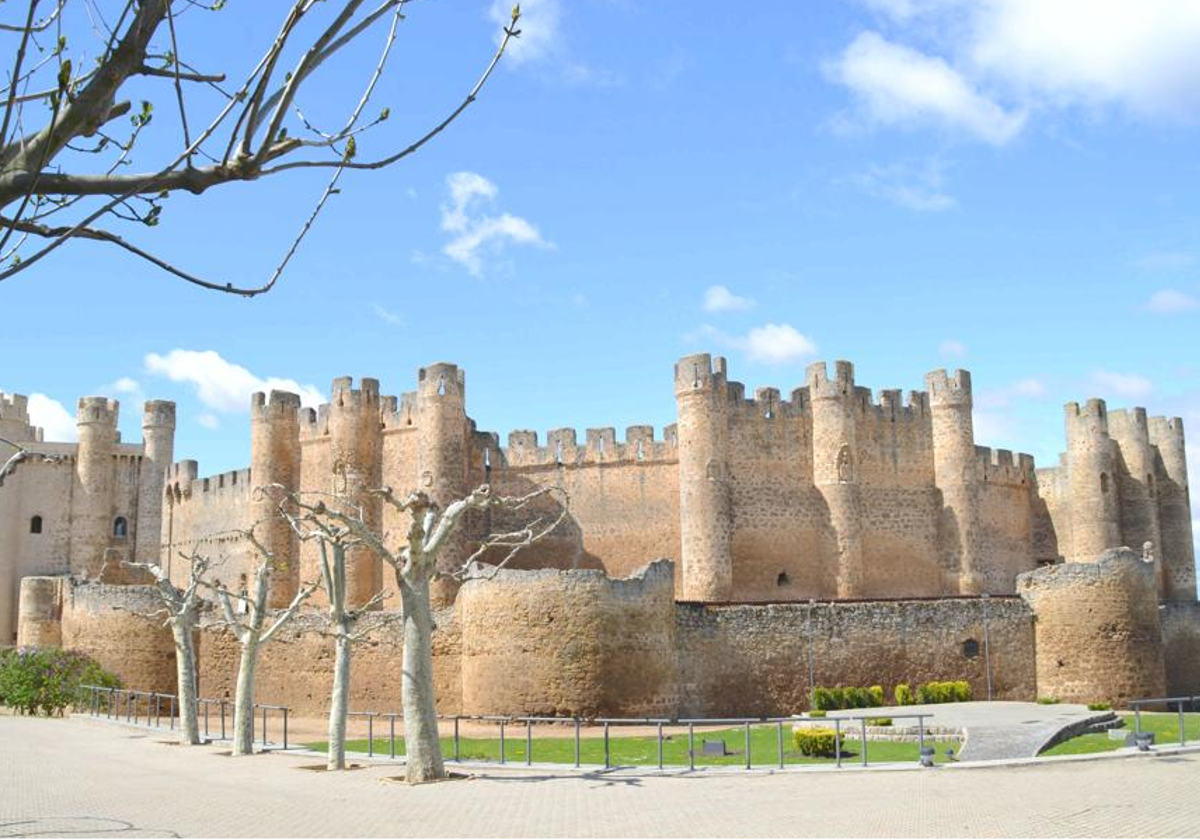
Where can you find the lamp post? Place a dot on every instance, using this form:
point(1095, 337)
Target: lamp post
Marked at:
point(987, 648)
point(812, 688)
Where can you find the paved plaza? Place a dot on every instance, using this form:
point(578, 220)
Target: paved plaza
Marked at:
point(83, 777)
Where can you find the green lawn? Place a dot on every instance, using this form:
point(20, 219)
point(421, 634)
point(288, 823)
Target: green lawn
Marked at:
point(1165, 727)
point(644, 750)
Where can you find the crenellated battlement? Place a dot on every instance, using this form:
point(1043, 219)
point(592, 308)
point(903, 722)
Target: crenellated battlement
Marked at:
point(344, 396)
point(1087, 421)
point(97, 411)
point(1166, 429)
point(600, 446)
point(841, 386)
point(158, 414)
point(999, 466)
point(183, 471)
point(14, 407)
point(280, 405)
point(949, 389)
point(314, 422)
point(767, 404)
point(700, 372)
point(400, 413)
point(442, 380)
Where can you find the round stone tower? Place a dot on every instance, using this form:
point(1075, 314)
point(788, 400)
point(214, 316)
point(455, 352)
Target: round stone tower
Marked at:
point(705, 515)
point(1136, 483)
point(1097, 632)
point(1091, 466)
point(40, 612)
point(356, 454)
point(1174, 510)
point(95, 475)
point(275, 460)
point(955, 472)
point(835, 468)
point(158, 452)
point(442, 458)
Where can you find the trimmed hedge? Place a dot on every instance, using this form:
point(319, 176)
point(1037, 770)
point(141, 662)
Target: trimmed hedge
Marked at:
point(904, 695)
point(838, 697)
point(816, 742)
point(849, 697)
point(943, 692)
point(47, 680)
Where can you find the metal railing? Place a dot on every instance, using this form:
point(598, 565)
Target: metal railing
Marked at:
point(1192, 701)
point(662, 726)
point(126, 704)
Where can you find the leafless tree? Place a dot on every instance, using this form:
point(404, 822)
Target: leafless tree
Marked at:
point(252, 629)
point(415, 563)
point(66, 164)
point(181, 610)
point(21, 456)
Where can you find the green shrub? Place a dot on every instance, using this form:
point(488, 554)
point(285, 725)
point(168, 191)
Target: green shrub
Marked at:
point(816, 743)
point(47, 680)
point(817, 713)
point(837, 698)
point(879, 721)
point(1048, 701)
point(876, 692)
point(904, 695)
point(821, 699)
point(1099, 707)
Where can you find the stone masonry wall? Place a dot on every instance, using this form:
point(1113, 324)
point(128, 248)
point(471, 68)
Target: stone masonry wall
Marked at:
point(1181, 647)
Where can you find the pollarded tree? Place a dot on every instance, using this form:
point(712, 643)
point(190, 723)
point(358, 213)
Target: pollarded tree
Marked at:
point(415, 563)
point(68, 168)
point(256, 626)
point(182, 609)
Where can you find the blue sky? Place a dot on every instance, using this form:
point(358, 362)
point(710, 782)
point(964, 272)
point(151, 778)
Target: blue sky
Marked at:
point(1003, 185)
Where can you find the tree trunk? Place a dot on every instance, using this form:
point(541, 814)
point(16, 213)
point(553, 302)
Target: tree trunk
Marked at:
point(185, 679)
point(339, 702)
point(423, 759)
point(243, 703)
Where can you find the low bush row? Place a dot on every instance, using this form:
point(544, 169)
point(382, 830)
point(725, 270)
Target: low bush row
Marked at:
point(830, 699)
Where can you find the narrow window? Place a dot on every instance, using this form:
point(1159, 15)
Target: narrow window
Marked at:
point(1103, 482)
point(442, 385)
point(783, 579)
point(120, 527)
point(970, 648)
point(35, 525)
point(1150, 484)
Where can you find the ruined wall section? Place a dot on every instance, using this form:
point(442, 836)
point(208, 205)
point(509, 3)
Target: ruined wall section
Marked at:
point(203, 516)
point(1099, 637)
point(553, 642)
point(40, 622)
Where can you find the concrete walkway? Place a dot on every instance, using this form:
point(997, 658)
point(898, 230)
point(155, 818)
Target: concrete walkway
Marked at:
point(80, 777)
point(1001, 730)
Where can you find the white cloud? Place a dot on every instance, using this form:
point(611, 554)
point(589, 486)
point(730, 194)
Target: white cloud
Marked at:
point(898, 86)
point(540, 26)
point(1004, 397)
point(1171, 302)
point(918, 188)
point(221, 385)
point(772, 344)
point(1127, 385)
point(52, 417)
point(209, 421)
point(952, 348)
point(126, 385)
point(386, 315)
point(720, 299)
point(475, 232)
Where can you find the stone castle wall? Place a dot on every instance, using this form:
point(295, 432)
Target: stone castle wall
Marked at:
point(1181, 647)
point(1099, 637)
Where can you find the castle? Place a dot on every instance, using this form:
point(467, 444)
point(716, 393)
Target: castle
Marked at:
point(871, 530)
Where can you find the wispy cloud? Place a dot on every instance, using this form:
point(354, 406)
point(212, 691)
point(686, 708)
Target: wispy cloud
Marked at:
point(772, 344)
point(386, 315)
point(220, 385)
point(544, 46)
point(914, 187)
point(1171, 302)
point(476, 232)
point(720, 299)
point(952, 348)
point(1129, 386)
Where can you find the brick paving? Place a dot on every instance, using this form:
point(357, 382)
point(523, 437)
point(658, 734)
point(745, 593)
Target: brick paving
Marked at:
point(80, 777)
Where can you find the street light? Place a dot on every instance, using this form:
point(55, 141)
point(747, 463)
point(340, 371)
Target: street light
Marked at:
point(987, 651)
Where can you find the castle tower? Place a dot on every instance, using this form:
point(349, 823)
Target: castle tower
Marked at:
point(835, 468)
point(442, 457)
point(356, 455)
point(705, 513)
point(14, 422)
point(954, 468)
point(275, 460)
point(95, 475)
point(1136, 483)
point(1174, 510)
point(158, 445)
point(1095, 499)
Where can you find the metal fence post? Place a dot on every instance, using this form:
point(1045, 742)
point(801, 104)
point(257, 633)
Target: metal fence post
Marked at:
point(502, 740)
point(691, 747)
point(920, 734)
point(660, 746)
point(747, 745)
point(205, 702)
point(1182, 737)
point(837, 740)
point(285, 716)
point(1137, 719)
point(392, 735)
point(222, 719)
point(264, 728)
point(607, 757)
point(173, 712)
point(779, 741)
point(370, 734)
point(577, 742)
point(863, 729)
point(528, 742)
point(456, 746)
point(157, 711)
